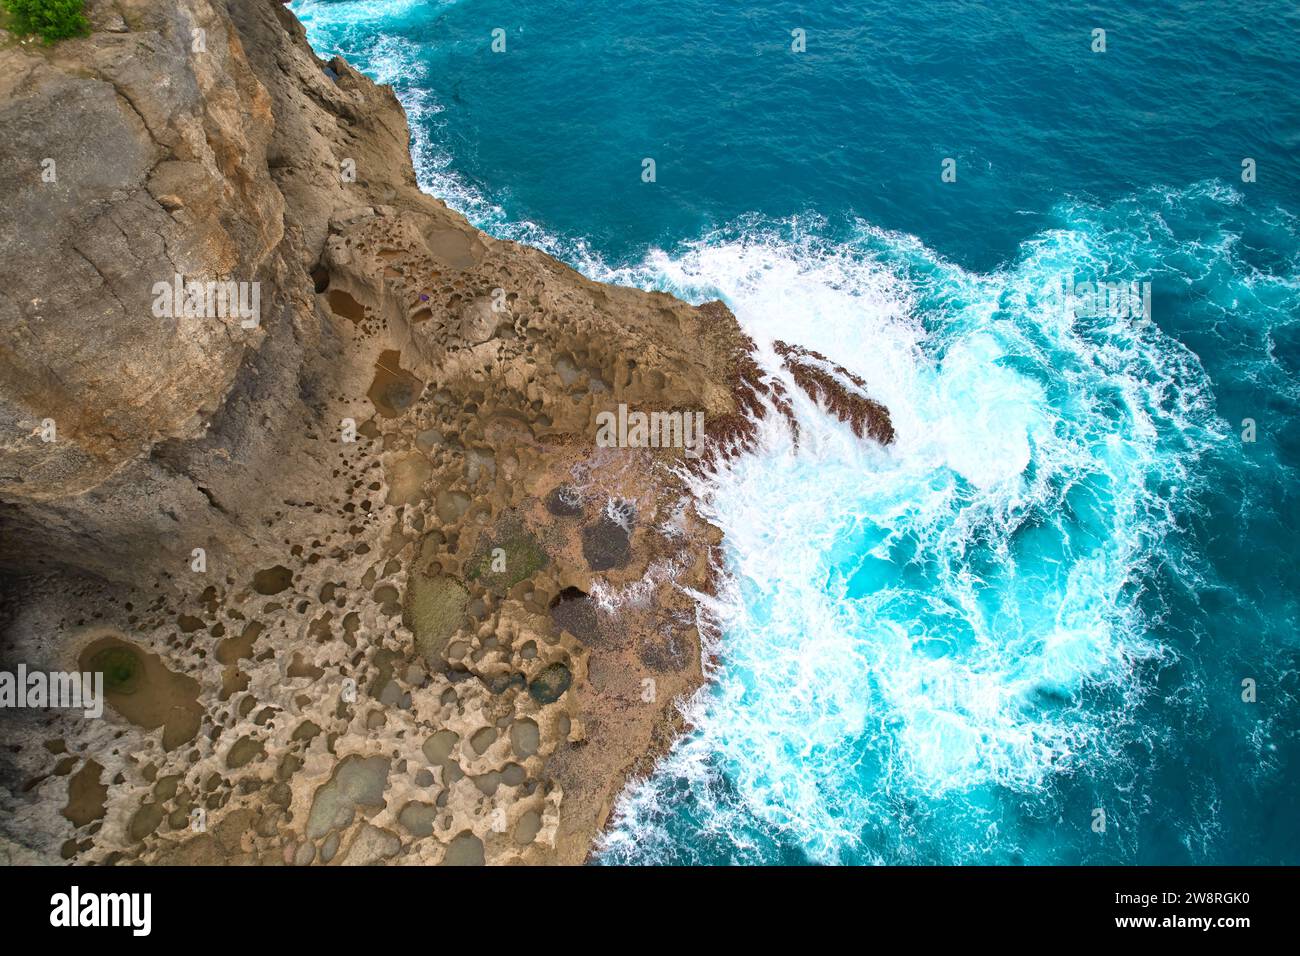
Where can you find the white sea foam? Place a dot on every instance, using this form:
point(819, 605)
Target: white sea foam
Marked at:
point(952, 617)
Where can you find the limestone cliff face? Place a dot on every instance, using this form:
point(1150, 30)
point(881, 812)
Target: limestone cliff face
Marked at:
point(431, 621)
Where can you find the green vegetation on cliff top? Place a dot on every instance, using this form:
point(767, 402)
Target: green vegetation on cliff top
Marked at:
point(51, 20)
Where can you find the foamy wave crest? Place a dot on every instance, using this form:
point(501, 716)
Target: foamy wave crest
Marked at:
point(921, 639)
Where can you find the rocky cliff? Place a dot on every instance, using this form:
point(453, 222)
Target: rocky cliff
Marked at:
point(304, 464)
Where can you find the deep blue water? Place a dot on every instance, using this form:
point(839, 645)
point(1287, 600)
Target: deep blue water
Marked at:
point(1043, 601)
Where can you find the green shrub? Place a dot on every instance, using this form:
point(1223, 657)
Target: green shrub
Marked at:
point(49, 19)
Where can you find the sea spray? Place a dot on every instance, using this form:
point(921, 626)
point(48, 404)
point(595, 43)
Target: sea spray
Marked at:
point(951, 627)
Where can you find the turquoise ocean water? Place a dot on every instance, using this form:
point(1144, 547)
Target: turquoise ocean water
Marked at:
point(1042, 602)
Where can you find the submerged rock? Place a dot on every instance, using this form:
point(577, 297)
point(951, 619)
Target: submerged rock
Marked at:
point(417, 818)
point(86, 795)
point(575, 612)
point(140, 687)
point(606, 544)
point(435, 607)
point(565, 501)
point(358, 782)
point(509, 555)
point(272, 580)
point(465, 850)
point(550, 683)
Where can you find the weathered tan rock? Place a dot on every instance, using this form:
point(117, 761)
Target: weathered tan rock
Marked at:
point(404, 412)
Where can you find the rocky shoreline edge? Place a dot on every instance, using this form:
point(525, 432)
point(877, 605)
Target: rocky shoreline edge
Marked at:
point(363, 584)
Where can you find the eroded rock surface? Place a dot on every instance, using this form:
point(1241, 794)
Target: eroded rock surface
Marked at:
point(342, 563)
